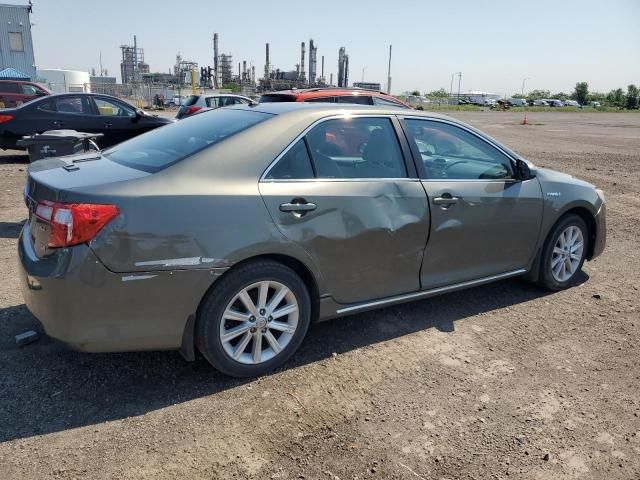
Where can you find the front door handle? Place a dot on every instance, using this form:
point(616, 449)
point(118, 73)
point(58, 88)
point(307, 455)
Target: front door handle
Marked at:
point(445, 199)
point(297, 207)
point(108, 124)
point(58, 123)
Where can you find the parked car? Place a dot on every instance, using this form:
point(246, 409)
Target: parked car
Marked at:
point(14, 93)
point(86, 112)
point(197, 102)
point(595, 104)
point(571, 103)
point(232, 230)
point(554, 102)
point(517, 102)
point(357, 96)
point(540, 103)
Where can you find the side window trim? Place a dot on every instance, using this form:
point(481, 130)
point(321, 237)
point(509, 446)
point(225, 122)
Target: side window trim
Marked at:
point(303, 134)
point(418, 159)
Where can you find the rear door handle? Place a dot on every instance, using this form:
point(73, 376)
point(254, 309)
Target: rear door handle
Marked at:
point(445, 200)
point(297, 207)
point(108, 124)
point(58, 123)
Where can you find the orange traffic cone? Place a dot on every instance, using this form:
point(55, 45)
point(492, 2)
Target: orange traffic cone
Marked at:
point(524, 120)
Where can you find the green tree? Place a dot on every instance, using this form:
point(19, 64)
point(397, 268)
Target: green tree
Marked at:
point(234, 87)
point(416, 93)
point(616, 98)
point(632, 97)
point(560, 96)
point(581, 93)
point(442, 93)
point(538, 94)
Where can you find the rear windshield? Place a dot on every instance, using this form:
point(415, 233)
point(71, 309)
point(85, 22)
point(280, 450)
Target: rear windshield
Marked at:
point(277, 98)
point(190, 101)
point(167, 145)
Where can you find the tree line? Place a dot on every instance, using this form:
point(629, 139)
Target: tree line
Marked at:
point(617, 98)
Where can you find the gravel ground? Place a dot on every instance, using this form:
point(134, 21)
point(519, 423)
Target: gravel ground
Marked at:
point(504, 380)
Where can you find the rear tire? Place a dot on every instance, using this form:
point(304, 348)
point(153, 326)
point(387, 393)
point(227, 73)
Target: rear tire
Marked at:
point(254, 319)
point(564, 253)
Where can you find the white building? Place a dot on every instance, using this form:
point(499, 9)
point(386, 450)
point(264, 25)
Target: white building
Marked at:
point(63, 81)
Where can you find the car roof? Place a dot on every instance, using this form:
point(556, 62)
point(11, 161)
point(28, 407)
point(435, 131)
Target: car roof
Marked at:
point(330, 109)
point(333, 91)
point(214, 95)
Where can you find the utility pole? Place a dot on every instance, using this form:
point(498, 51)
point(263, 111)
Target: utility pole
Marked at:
point(459, 81)
point(524, 80)
point(451, 87)
point(389, 73)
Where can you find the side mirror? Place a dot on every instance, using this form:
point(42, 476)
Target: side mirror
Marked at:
point(139, 114)
point(523, 172)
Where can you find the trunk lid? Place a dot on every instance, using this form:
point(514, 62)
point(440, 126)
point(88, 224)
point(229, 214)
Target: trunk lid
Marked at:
point(68, 179)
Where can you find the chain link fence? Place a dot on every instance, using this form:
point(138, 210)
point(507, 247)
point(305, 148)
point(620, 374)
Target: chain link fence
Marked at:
point(140, 95)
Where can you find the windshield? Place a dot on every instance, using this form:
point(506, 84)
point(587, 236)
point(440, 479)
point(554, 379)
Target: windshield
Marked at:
point(167, 145)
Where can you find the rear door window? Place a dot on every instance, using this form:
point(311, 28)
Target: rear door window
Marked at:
point(165, 146)
point(9, 87)
point(268, 98)
point(294, 165)
point(364, 147)
point(321, 100)
point(212, 102)
point(75, 105)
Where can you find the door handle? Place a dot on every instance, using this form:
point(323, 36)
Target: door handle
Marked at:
point(108, 124)
point(297, 207)
point(445, 199)
point(58, 123)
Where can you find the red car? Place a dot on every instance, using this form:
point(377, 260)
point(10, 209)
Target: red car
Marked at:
point(334, 95)
point(14, 93)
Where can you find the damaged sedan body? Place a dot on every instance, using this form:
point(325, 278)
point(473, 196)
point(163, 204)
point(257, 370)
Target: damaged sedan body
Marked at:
point(231, 231)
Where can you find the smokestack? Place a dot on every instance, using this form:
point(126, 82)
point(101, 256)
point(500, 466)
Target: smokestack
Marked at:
point(216, 68)
point(330, 79)
point(302, 76)
point(135, 58)
point(244, 70)
point(313, 62)
point(322, 76)
point(346, 71)
point(389, 73)
point(266, 65)
point(341, 67)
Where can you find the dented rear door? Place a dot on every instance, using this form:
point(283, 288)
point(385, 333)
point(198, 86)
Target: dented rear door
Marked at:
point(366, 236)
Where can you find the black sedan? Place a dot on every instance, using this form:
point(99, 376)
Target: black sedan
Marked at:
point(84, 112)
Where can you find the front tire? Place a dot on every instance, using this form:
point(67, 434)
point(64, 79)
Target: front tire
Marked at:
point(564, 253)
point(254, 319)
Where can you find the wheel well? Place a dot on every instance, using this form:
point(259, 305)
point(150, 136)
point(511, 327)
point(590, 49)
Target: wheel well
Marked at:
point(296, 265)
point(589, 219)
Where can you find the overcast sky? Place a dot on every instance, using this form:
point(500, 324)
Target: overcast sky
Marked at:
point(494, 43)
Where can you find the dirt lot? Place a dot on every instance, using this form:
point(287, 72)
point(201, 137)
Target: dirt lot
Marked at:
point(500, 381)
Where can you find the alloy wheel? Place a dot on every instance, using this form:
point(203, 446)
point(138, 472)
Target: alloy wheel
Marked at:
point(259, 322)
point(567, 253)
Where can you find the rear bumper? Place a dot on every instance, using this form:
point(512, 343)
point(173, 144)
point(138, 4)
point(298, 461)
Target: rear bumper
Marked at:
point(601, 231)
point(88, 307)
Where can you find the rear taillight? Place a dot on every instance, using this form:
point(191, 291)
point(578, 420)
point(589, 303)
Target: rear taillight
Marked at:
point(74, 223)
point(191, 110)
point(5, 118)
